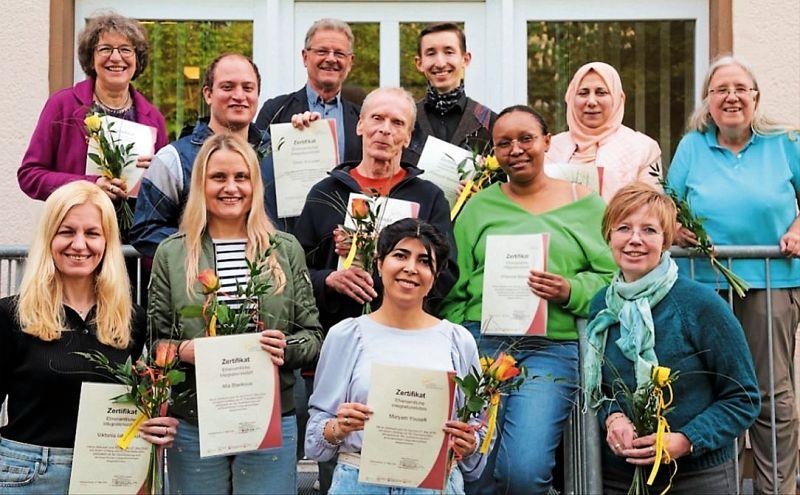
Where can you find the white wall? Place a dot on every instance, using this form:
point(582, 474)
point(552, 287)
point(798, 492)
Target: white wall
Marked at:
point(766, 34)
point(24, 35)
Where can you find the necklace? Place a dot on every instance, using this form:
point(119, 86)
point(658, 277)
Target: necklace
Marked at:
point(109, 108)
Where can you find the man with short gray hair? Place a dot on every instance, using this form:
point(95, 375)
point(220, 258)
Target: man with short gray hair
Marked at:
point(328, 58)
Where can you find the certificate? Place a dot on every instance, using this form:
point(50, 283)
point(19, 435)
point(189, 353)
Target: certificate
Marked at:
point(387, 210)
point(439, 160)
point(404, 444)
point(238, 395)
point(509, 306)
point(125, 132)
point(98, 464)
point(301, 159)
point(585, 174)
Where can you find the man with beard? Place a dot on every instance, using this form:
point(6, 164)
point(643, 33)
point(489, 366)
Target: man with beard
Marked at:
point(446, 112)
point(230, 88)
point(328, 58)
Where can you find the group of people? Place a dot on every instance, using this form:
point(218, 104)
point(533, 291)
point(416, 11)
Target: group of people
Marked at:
point(208, 200)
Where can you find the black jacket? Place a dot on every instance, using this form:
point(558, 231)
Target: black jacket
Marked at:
point(474, 131)
point(280, 109)
point(314, 230)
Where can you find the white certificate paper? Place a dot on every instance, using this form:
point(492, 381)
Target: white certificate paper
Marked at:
point(404, 444)
point(125, 132)
point(439, 160)
point(99, 466)
point(301, 159)
point(588, 175)
point(238, 395)
point(509, 306)
point(388, 210)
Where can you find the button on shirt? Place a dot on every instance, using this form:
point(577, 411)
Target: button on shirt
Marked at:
point(331, 109)
point(747, 198)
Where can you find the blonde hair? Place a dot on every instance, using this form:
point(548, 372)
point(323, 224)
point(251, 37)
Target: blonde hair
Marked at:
point(761, 124)
point(194, 220)
point(629, 199)
point(40, 309)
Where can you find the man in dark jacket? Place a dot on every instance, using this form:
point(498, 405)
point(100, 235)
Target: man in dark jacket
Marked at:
point(230, 88)
point(446, 112)
point(387, 118)
point(328, 58)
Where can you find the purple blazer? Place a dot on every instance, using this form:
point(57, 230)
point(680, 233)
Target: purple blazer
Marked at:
point(57, 152)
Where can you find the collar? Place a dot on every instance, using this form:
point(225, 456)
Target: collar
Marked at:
point(342, 174)
point(315, 98)
point(202, 131)
point(712, 142)
point(456, 98)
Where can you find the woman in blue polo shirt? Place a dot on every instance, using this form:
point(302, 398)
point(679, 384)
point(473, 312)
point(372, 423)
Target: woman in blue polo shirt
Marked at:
point(741, 172)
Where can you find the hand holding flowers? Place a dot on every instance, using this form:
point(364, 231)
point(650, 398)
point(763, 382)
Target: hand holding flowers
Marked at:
point(478, 171)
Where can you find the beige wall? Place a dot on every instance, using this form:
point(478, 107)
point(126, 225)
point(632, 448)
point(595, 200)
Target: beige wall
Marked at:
point(24, 35)
point(766, 33)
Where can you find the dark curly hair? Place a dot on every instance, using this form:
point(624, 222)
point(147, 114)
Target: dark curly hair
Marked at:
point(112, 23)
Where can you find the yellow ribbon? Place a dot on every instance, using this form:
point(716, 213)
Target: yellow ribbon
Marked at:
point(212, 326)
point(351, 255)
point(661, 453)
point(491, 422)
point(125, 440)
point(462, 198)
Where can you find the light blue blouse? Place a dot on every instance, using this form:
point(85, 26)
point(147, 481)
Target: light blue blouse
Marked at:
point(345, 365)
point(749, 198)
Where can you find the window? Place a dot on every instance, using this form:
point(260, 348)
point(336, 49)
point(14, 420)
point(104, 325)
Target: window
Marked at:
point(179, 53)
point(365, 75)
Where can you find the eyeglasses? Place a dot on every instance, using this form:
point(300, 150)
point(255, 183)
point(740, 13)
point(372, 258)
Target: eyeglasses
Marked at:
point(324, 52)
point(646, 233)
point(740, 92)
point(125, 51)
point(523, 142)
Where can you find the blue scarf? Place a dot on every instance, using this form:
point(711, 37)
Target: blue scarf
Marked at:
point(629, 304)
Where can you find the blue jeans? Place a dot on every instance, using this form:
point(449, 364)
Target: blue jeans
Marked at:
point(31, 469)
point(531, 420)
point(345, 482)
point(269, 471)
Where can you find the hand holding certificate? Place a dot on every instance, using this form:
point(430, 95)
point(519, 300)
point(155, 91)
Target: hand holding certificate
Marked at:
point(238, 395)
point(404, 443)
point(509, 306)
point(99, 465)
point(301, 159)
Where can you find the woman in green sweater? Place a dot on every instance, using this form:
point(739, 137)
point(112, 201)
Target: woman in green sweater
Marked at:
point(579, 264)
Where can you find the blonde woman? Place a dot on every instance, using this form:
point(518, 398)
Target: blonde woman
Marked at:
point(74, 297)
point(224, 224)
point(741, 172)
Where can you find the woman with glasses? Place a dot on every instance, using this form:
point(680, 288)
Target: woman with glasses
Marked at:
point(578, 265)
point(740, 171)
point(649, 316)
point(596, 137)
point(112, 51)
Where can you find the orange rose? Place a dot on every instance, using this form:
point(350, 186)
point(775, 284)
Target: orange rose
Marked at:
point(209, 280)
point(359, 209)
point(166, 352)
point(504, 367)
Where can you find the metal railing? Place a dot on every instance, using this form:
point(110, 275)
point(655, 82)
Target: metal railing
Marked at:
point(582, 440)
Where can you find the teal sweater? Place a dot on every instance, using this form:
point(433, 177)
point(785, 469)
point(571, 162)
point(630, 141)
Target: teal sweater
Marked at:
point(577, 252)
point(715, 396)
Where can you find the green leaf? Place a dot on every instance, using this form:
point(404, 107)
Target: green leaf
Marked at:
point(475, 404)
point(176, 376)
point(192, 311)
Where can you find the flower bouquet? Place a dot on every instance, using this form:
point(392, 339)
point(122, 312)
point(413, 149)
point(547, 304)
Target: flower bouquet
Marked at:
point(704, 244)
point(112, 158)
point(478, 170)
point(364, 237)
point(225, 319)
point(482, 390)
point(149, 380)
point(646, 408)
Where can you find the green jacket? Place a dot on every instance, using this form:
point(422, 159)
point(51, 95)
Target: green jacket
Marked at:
point(294, 311)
